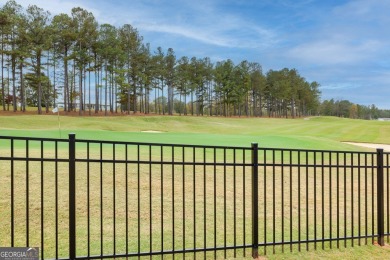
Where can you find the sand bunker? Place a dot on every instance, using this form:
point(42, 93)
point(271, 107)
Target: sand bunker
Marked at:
point(385, 147)
point(151, 131)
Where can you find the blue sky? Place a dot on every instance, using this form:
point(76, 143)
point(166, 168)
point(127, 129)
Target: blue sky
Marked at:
point(344, 45)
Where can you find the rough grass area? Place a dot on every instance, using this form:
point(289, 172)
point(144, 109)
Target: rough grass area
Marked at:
point(130, 196)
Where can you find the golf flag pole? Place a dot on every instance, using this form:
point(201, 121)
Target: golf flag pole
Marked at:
point(56, 110)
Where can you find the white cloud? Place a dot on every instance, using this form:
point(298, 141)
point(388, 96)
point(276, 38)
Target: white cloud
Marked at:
point(338, 86)
point(215, 35)
point(366, 10)
point(192, 33)
point(203, 23)
point(333, 52)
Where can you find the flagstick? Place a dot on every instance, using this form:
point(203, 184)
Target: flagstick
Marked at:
point(59, 123)
point(56, 109)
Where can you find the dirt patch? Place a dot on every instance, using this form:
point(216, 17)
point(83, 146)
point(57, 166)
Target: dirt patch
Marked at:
point(385, 147)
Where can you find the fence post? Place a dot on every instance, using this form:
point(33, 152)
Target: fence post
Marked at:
point(380, 200)
point(72, 196)
point(255, 201)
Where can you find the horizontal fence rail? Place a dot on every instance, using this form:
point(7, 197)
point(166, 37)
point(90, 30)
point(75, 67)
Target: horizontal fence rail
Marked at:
point(86, 199)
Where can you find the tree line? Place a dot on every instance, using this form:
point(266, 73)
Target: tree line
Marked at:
point(347, 109)
point(75, 62)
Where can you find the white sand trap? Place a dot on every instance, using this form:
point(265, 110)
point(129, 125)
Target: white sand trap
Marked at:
point(385, 147)
point(151, 131)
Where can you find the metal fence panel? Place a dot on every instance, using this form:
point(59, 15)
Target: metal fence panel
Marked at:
point(84, 199)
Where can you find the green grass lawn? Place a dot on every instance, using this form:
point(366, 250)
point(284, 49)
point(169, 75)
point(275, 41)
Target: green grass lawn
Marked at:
point(313, 133)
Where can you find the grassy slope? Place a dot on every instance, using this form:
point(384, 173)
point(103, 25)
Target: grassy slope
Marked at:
point(316, 133)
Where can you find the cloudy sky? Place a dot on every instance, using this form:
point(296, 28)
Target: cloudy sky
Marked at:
point(343, 45)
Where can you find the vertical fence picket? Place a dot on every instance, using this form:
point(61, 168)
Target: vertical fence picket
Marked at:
point(338, 200)
point(359, 195)
point(126, 196)
point(56, 197)
point(138, 199)
point(101, 196)
point(243, 200)
point(255, 201)
point(184, 201)
point(372, 202)
point(307, 199)
point(352, 200)
point(345, 198)
point(265, 200)
point(234, 205)
point(282, 197)
point(162, 197)
point(88, 201)
point(28, 196)
point(380, 199)
point(224, 204)
point(273, 201)
point(330, 200)
point(387, 199)
point(204, 199)
point(215, 199)
point(43, 203)
point(323, 197)
point(12, 196)
point(291, 198)
point(299, 200)
point(194, 193)
point(315, 197)
point(365, 200)
point(72, 196)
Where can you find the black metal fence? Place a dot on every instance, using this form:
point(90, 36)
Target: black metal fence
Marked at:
point(83, 199)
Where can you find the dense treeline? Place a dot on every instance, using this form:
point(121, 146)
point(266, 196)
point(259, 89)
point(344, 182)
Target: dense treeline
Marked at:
point(344, 108)
point(74, 62)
